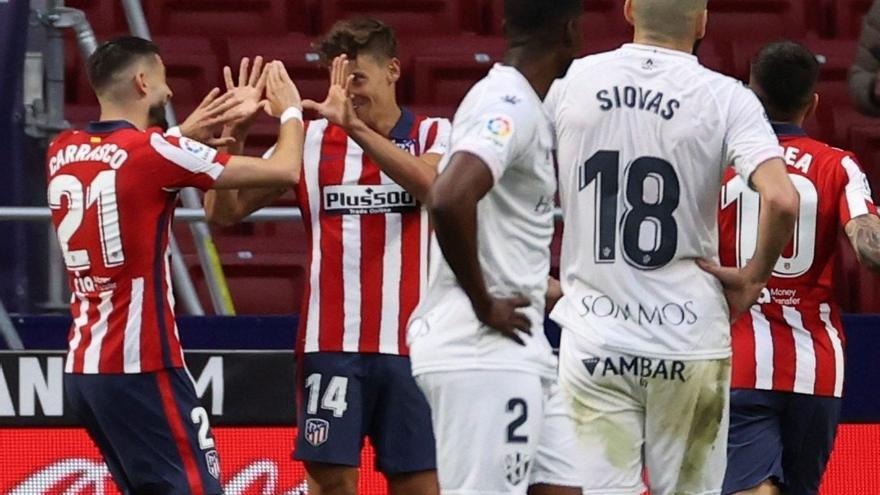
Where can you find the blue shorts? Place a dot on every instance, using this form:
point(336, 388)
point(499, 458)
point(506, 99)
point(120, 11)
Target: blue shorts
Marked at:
point(344, 397)
point(779, 436)
point(151, 430)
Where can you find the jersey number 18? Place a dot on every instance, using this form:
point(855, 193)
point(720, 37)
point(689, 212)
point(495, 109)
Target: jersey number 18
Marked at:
point(650, 216)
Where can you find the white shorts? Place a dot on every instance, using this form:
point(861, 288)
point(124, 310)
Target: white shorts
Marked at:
point(498, 432)
point(635, 414)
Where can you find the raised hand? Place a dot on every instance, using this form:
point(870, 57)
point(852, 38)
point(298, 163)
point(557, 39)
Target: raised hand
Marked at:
point(208, 119)
point(249, 91)
point(741, 287)
point(337, 107)
point(281, 92)
point(500, 314)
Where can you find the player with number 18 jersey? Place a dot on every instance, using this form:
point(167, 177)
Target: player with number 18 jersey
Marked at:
point(645, 134)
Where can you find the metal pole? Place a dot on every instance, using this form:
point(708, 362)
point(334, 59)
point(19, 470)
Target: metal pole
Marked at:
point(219, 290)
point(43, 214)
point(7, 330)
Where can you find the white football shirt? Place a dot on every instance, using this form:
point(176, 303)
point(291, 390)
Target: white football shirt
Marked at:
point(644, 135)
point(503, 122)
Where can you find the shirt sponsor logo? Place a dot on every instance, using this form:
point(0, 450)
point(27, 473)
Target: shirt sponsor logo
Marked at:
point(368, 200)
point(639, 367)
point(668, 313)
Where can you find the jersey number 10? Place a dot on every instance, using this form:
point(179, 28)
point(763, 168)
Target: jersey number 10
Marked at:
point(102, 191)
point(644, 175)
point(748, 204)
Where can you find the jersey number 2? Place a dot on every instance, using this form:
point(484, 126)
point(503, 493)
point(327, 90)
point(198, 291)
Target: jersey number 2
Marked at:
point(648, 229)
point(102, 191)
point(748, 204)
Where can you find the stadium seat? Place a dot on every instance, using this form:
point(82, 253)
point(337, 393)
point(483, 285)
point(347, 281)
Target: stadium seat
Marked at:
point(105, 16)
point(295, 50)
point(218, 18)
point(766, 20)
point(423, 17)
point(865, 143)
point(848, 16)
point(443, 76)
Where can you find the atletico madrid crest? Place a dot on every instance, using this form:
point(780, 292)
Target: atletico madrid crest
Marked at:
point(317, 431)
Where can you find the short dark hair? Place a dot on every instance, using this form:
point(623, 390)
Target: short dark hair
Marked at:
point(114, 56)
point(784, 75)
point(358, 35)
point(523, 18)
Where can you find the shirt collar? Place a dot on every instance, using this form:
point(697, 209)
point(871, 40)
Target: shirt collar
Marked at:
point(108, 126)
point(787, 129)
point(659, 49)
point(403, 128)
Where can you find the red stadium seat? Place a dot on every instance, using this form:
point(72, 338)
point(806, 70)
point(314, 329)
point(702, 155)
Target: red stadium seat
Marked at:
point(766, 20)
point(423, 17)
point(191, 66)
point(848, 16)
point(443, 70)
point(295, 51)
point(105, 16)
point(219, 18)
point(865, 143)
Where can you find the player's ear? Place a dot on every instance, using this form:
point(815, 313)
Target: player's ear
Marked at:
point(628, 12)
point(702, 21)
point(393, 70)
point(140, 82)
point(814, 105)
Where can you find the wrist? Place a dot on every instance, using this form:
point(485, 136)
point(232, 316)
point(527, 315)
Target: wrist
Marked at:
point(292, 112)
point(482, 305)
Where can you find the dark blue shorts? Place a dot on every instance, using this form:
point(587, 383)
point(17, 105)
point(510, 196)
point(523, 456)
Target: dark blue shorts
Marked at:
point(779, 436)
point(151, 430)
point(344, 397)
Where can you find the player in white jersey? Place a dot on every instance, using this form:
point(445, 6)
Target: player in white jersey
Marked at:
point(477, 344)
point(644, 136)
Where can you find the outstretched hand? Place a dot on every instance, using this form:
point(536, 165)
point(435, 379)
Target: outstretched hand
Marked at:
point(741, 288)
point(337, 106)
point(248, 91)
point(208, 119)
point(281, 92)
point(501, 314)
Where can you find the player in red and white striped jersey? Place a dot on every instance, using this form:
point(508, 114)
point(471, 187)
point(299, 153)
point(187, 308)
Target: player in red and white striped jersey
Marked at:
point(367, 167)
point(112, 189)
point(788, 350)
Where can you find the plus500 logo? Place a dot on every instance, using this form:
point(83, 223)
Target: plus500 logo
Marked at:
point(366, 200)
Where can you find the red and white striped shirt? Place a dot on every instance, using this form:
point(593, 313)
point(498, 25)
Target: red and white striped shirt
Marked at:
point(112, 190)
point(793, 340)
point(368, 240)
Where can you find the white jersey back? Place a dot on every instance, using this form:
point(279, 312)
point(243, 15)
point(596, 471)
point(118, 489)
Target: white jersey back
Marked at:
point(644, 136)
point(501, 121)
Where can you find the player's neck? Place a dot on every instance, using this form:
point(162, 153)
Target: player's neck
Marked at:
point(383, 119)
point(539, 70)
point(650, 39)
point(136, 118)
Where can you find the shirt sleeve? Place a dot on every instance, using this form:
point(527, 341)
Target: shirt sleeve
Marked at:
point(855, 199)
point(496, 135)
point(750, 140)
point(186, 163)
point(440, 144)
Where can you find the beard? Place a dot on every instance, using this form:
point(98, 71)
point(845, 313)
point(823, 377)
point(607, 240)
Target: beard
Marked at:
point(157, 117)
point(697, 46)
